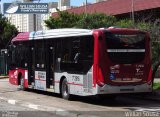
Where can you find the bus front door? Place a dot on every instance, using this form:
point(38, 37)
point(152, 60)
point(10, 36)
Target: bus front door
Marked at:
point(51, 67)
point(31, 67)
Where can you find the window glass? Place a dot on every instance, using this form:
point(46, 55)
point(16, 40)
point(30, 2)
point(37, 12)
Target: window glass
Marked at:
point(77, 54)
point(124, 48)
point(19, 54)
point(40, 54)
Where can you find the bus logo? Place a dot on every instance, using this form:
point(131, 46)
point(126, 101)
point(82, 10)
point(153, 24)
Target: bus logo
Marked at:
point(12, 8)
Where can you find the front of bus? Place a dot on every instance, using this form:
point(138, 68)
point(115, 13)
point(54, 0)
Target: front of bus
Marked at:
point(124, 62)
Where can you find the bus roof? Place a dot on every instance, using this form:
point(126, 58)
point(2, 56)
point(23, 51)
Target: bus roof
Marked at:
point(21, 36)
point(124, 30)
point(53, 33)
point(66, 32)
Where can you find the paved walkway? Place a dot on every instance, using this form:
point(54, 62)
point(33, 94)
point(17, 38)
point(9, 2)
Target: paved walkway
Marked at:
point(2, 77)
point(157, 80)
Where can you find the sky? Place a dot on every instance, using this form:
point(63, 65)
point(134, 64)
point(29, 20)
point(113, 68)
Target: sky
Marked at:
point(73, 2)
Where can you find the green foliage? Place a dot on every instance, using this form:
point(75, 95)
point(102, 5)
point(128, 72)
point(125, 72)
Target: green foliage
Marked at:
point(70, 20)
point(153, 28)
point(156, 85)
point(97, 20)
point(7, 31)
point(125, 24)
point(64, 20)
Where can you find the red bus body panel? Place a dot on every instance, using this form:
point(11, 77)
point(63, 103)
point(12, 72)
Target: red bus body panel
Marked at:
point(21, 37)
point(102, 63)
point(14, 74)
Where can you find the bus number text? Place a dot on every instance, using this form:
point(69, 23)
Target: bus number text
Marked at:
point(75, 78)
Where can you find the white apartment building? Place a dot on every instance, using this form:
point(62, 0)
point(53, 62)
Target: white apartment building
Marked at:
point(0, 7)
point(25, 22)
point(62, 3)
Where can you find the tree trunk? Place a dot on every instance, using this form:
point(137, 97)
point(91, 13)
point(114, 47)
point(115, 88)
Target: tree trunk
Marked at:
point(155, 70)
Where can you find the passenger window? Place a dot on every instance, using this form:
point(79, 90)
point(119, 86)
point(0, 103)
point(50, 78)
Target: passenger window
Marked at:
point(77, 54)
point(40, 55)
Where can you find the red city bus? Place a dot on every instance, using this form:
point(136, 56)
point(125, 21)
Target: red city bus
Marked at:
point(82, 62)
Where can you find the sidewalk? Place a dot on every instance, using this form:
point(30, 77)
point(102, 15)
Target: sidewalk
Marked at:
point(4, 77)
point(157, 80)
point(157, 92)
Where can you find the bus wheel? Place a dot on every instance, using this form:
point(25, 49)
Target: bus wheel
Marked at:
point(64, 90)
point(22, 84)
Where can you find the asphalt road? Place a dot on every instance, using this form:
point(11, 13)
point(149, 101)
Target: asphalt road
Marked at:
point(50, 104)
point(9, 110)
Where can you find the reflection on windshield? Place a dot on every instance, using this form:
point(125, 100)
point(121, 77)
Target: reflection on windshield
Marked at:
point(124, 48)
point(134, 41)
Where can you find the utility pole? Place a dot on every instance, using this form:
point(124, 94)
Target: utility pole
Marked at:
point(35, 19)
point(86, 8)
point(133, 11)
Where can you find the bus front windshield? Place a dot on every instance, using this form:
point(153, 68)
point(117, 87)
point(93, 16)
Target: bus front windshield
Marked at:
point(125, 48)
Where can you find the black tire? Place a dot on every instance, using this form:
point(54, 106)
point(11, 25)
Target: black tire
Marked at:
point(64, 90)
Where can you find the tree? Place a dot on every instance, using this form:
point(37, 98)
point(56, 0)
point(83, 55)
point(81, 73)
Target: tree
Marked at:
point(154, 30)
point(96, 20)
point(7, 31)
point(89, 21)
point(63, 20)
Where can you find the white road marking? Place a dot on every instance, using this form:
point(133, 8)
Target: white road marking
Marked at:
point(146, 109)
point(60, 110)
point(33, 106)
point(12, 102)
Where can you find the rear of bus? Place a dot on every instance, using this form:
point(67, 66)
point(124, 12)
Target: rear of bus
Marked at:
point(123, 63)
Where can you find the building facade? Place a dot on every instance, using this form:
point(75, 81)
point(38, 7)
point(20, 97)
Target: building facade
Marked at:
point(99, 1)
point(122, 9)
point(0, 8)
point(62, 3)
point(25, 22)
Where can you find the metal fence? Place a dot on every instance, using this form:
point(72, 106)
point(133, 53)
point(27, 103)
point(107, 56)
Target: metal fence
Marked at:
point(3, 62)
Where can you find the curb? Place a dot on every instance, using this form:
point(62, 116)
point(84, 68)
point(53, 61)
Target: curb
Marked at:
point(56, 111)
point(4, 77)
